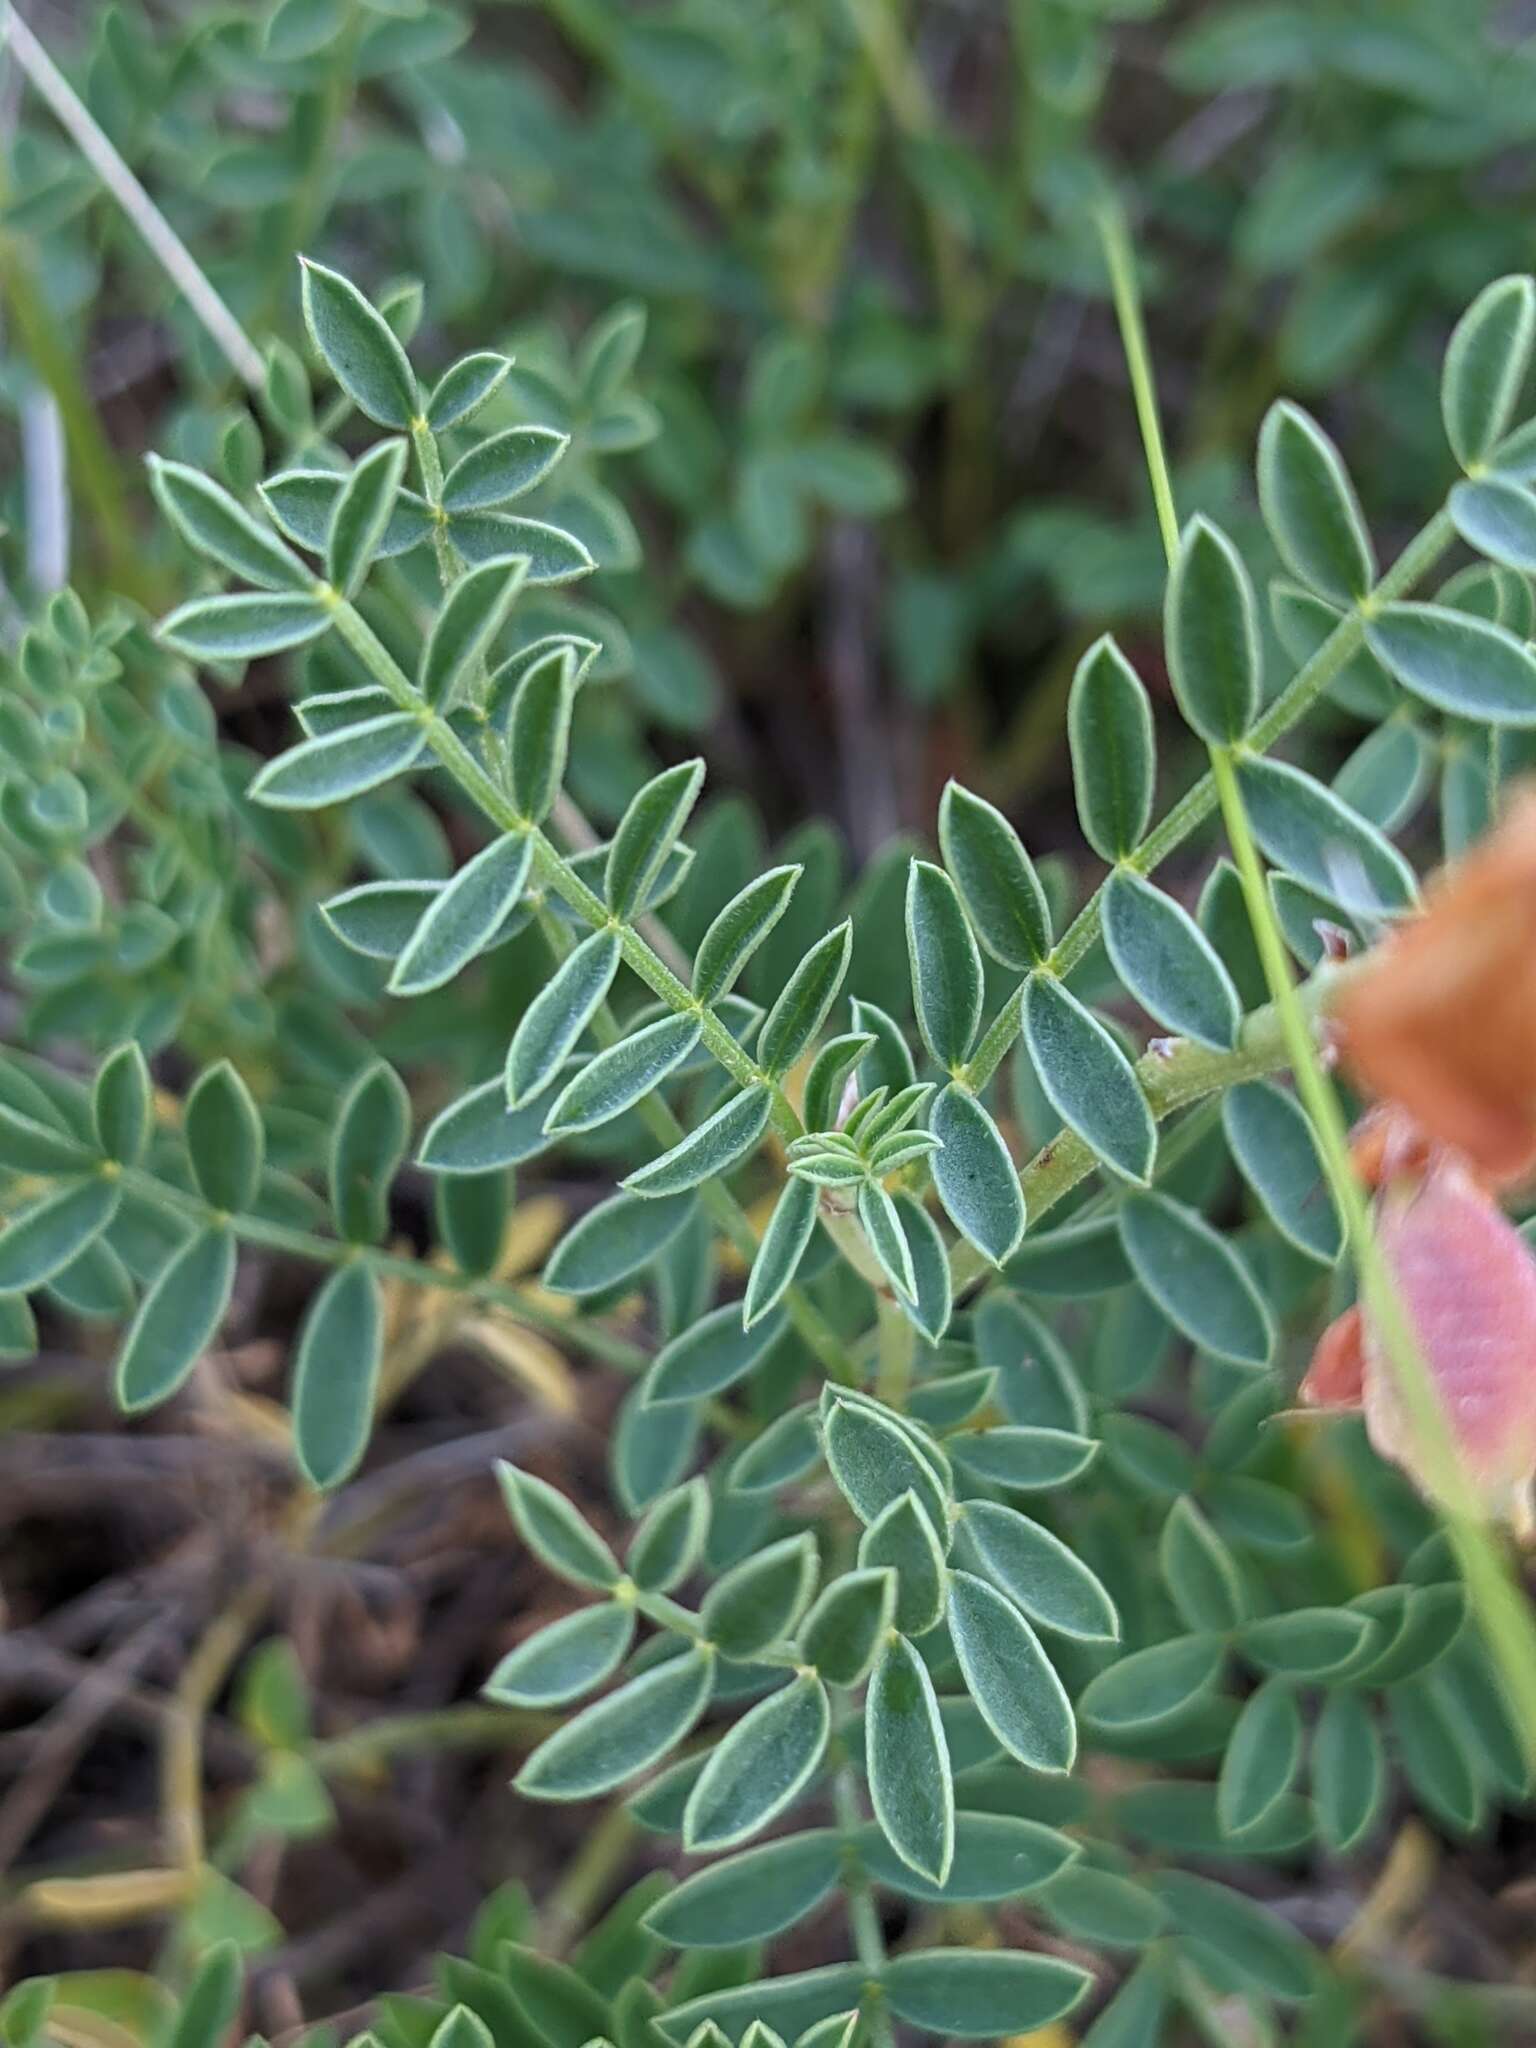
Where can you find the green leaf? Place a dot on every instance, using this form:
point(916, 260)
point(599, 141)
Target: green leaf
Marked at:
point(751, 1896)
point(903, 1538)
point(1498, 518)
point(1349, 1771)
point(340, 1345)
point(464, 387)
point(1087, 1079)
point(623, 1075)
point(759, 1767)
point(789, 2004)
point(1266, 1954)
point(910, 1785)
point(120, 1105)
point(372, 1131)
point(539, 732)
point(557, 2002)
point(781, 1250)
point(1114, 751)
point(710, 1355)
point(471, 616)
point(887, 1240)
point(616, 1239)
point(1210, 630)
point(18, 1325)
point(785, 1451)
point(303, 503)
point(24, 2012)
point(738, 930)
point(804, 1001)
point(460, 2029)
point(1023, 1458)
point(997, 1856)
point(1153, 1686)
point(28, 1146)
point(874, 1461)
point(362, 515)
point(946, 967)
point(464, 917)
point(1437, 1757)
point(718, 1143)
point(211, 2000)
point(1467, 666)
point(1310, 507)
point(176, 1320)
point(558, 1015)
point(669, 1542)
point(377, 919)
point(1009, 1676)
point(224, 1138)
point(1271, 1141)
point(1262, 1758)
point(1305, 829)
point(478, 1133)
point(970, 1994)
point(889, 1062)
point(1306, 1642)
point(54, 1231)
point(758, 1602)
point(975, 1175)
point(848, 1624)
point(555, 1532)
point(932, 1298)
point(504, 467)
point(1167, 962)
point(996, 879)
point(646, 835)
point(471, 1211)
point(1134, 2017)
point(359, 347)
point(217, 526)
point(341, 764)
point(1485, 367)
point(1037, 1571)
point(570, 1657)
point(623, 1734)
point(552, 554)
point(1196, 1279)
point(1199, 1571)
point(241, 628)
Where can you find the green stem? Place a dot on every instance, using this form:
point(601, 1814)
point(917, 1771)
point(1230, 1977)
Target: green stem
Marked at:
point(720, 1205)
point(897, 1349)
point(863, 1914)
point(550, 866)
point(1169, 1081)
point(1508, 1625)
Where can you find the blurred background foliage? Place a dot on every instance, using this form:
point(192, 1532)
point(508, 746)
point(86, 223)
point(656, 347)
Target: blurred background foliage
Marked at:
point(859, 440)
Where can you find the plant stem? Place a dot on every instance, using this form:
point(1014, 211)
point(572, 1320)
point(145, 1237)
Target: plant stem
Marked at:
point(863, 1914)
point(164, 243)
point(1508, 1625)
point(897, 1349)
